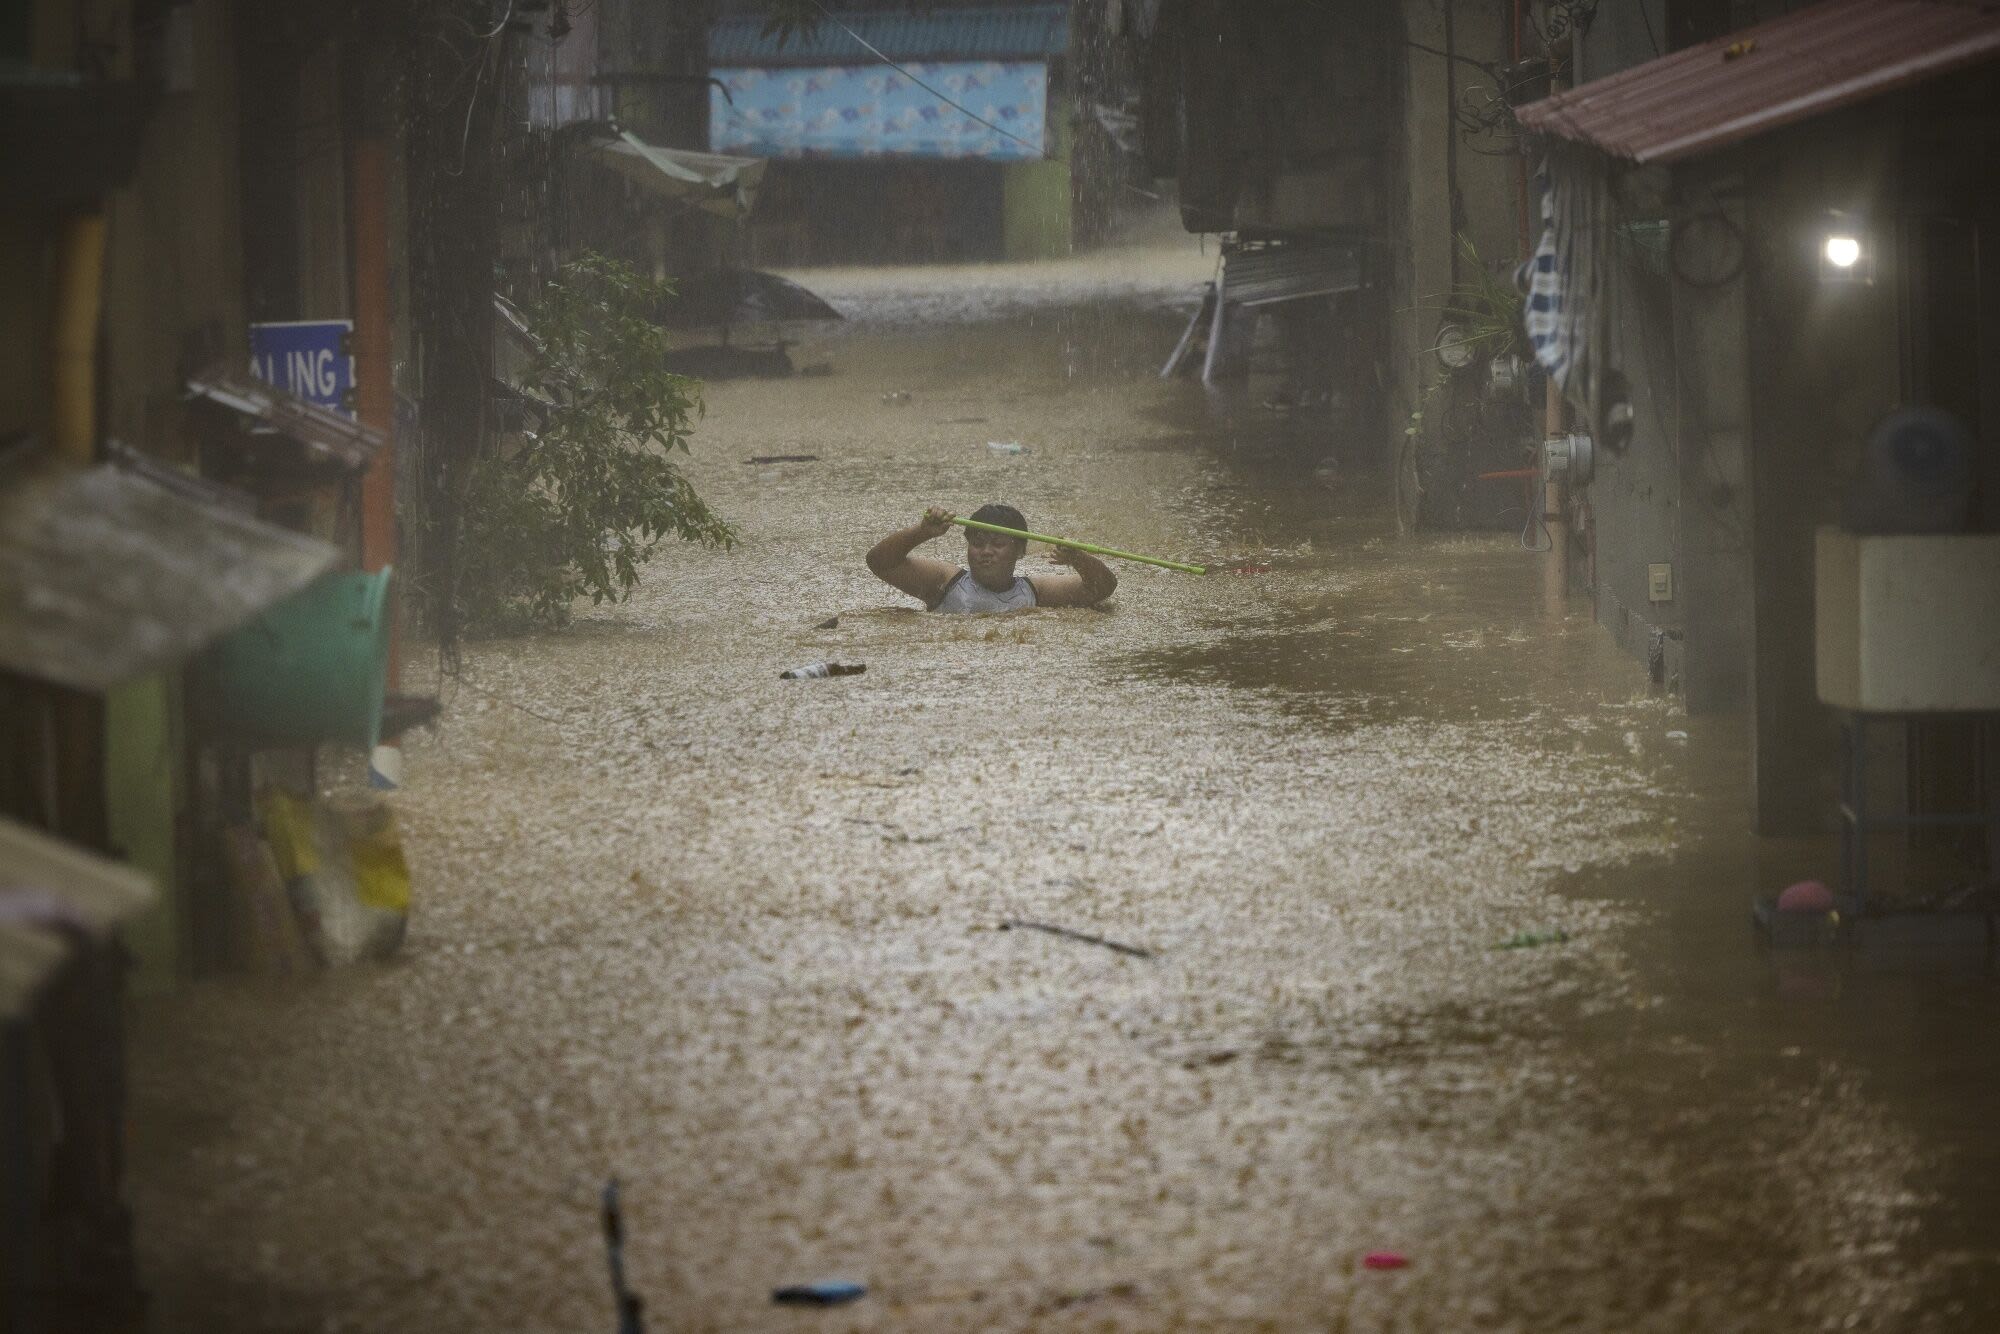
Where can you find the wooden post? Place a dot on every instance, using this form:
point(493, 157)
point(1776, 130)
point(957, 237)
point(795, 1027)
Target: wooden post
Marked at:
point(375, 394)
point(79, 309)
point(1555, 516)
point(1555, 519)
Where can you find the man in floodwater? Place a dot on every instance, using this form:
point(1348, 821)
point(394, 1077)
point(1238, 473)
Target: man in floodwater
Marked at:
point(986, 582)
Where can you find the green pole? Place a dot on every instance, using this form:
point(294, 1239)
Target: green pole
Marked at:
point(1081, 546)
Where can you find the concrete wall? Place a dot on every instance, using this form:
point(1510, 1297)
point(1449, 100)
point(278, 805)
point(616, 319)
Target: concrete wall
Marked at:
point(1419, 242)
point(1824, 364)
point(1712, 439)
point(1828, 359)
point(173, 296)
point(1035, 196)
point(1679, 494)
point(24, 326)
point(1623, 35)
point(173, 302)
point(1631, 513)
point(1756, 381)
point(145, 799)
point(320, 160)
point(1633, 506)
point(1441, 189)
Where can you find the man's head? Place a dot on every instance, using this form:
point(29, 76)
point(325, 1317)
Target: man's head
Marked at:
point(989, 556)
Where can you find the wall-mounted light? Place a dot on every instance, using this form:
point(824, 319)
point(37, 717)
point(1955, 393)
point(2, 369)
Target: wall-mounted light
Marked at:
point(1845, 255)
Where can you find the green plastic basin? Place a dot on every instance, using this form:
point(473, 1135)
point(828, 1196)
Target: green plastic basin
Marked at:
point(314, 667)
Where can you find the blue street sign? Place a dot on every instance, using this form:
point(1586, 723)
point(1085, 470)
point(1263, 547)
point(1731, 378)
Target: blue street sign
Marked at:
point(311, 358)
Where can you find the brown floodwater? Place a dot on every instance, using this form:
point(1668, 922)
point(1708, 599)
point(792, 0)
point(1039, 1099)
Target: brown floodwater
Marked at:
point(735, 940)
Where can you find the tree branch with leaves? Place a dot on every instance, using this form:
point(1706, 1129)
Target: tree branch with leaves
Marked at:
point(587, 498)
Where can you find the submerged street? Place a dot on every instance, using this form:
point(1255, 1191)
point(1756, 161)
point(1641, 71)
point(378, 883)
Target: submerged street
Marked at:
point(736, 940)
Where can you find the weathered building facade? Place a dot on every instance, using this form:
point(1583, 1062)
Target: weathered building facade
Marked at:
point(871, 162)
point(182, 179)
point(1726, 380)
point(1755, 367)
point(1374, 130)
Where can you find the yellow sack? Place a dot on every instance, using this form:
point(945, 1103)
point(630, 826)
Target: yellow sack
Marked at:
point(375, 848)
point(288, 828)
point(342, 860)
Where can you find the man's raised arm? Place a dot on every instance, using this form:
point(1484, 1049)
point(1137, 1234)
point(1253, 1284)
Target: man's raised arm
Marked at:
point(891, 561)
point(1091, 583)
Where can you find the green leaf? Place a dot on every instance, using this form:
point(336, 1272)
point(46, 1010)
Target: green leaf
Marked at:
point(575, 508)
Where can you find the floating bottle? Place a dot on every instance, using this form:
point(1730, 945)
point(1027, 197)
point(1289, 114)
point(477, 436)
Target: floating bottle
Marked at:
point(1527, 940)
point(813, 670)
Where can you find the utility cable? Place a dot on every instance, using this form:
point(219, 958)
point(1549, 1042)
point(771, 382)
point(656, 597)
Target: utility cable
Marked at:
point(1037, 149)
point(1537, 518)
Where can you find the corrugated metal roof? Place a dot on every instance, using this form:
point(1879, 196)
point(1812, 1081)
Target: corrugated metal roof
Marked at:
point(106, 574)
point(1807, 63)
point(1013, 32)
point(324, 434)
point(1270, 274)
point(48, 890)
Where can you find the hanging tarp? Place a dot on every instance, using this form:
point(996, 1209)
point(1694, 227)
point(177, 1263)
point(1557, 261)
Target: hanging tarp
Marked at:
point(723, 185)
point(872, 110)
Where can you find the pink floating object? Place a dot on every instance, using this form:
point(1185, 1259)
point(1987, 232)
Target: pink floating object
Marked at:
point(1384, 1260)
point(1806, 896)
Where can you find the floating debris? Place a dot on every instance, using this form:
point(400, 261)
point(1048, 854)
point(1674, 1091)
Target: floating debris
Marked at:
point(1136, 951)
point(1527, 940)
point(814, 671)
point(1806, 896)
point(822, 1292)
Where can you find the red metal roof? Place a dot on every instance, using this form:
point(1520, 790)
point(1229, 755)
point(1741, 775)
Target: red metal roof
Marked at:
point(1807, 63)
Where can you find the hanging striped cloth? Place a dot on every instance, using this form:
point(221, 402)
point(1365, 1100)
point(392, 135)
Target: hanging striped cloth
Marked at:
point(1542, 281)
point(1567, 310)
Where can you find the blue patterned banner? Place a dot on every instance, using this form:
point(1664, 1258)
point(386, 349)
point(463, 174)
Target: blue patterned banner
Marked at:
point(873, 111)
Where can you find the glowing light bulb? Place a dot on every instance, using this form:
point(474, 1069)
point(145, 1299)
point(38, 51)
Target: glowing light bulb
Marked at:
point(1843, 252)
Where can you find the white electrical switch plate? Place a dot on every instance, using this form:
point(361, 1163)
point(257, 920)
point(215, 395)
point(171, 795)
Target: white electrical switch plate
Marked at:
point(1659, 583)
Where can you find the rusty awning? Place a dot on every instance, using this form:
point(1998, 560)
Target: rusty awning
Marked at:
point(1805, 64)
point(261, 409)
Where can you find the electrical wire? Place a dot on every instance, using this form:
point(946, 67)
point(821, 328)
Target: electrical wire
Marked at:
point(1482, 67)
point(1538, 517)
point(1039, 151)
point(1648, 19)
point(498, 28)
